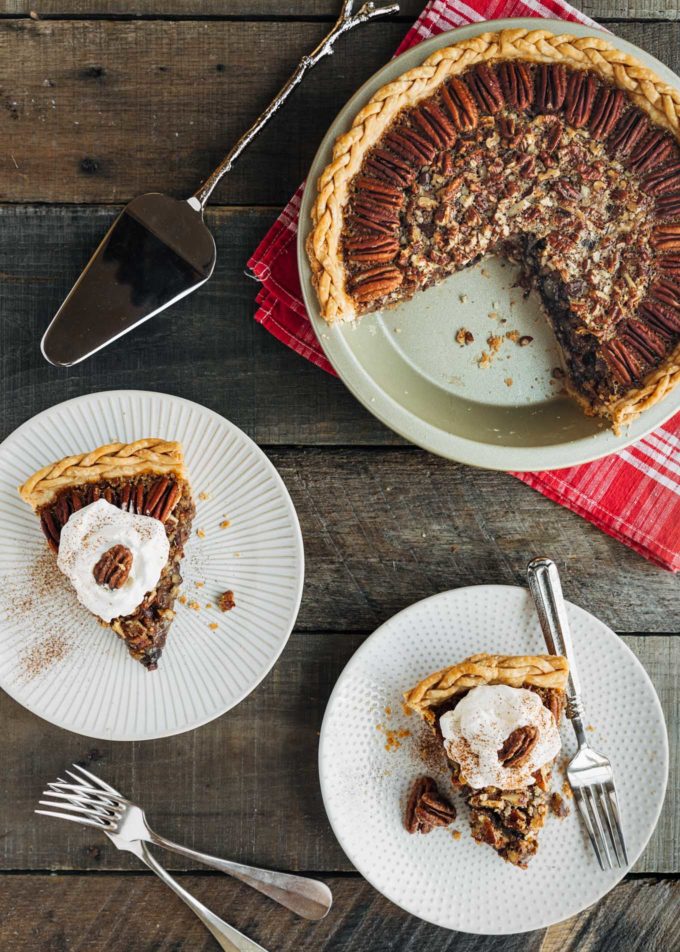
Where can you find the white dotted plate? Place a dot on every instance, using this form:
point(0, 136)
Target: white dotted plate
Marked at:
point(457, 883)
point(55, 658)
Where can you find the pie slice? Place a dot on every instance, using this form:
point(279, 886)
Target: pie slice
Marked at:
point(556, 152)
point(497, 719)
point(117, 518)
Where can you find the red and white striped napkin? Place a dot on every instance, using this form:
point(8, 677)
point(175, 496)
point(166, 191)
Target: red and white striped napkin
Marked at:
point(633, 495)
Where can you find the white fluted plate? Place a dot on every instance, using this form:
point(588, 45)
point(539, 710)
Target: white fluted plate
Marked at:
point(455, 882)
point(56, 659)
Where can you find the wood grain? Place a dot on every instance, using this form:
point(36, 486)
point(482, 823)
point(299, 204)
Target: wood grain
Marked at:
point(221, 9)
point(100, 111)
point(245, 785)
point(135, 913)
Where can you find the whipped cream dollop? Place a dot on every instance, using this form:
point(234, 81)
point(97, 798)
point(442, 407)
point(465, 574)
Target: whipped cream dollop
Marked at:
point(476, 729)
point(92, 531)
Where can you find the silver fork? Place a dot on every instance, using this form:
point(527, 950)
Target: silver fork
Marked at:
point(590, 774)
point(97, 804)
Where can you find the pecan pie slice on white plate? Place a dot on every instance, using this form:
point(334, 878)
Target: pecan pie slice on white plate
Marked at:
point(557, 152)
point(497, 717)
point(117, 518)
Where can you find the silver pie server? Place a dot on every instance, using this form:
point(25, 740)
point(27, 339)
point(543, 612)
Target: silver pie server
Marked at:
point(159, 249)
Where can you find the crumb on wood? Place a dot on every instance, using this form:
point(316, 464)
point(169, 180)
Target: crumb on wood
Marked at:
point(226, 601)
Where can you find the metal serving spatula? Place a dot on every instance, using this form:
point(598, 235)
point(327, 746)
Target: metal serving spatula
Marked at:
point(159, 250)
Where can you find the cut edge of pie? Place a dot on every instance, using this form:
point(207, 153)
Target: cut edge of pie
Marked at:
point(643, 88)
point(147, 477)
point(506, 820)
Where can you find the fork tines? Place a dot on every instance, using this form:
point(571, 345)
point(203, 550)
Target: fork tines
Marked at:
point(599, 809)
point(88, 801)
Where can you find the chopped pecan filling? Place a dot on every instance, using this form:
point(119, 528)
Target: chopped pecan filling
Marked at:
point(162, 497)
point(509, 820)
point(550, 168)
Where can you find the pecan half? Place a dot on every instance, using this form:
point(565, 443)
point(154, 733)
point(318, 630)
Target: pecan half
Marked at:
point(554, 136)
point(376, 283)
point(435, 125)
point(516, 83)
point(651, 151)
point(647, 344)
point(665, 322)
point(389, 167)
point(630, 129)
point(550, 87)
point(375, 250)
point(580, 97)
point(113, 568)
point(485, 88)
point(666, 237)
point(664, 180)
point(410, 146)
point(666, 292)
point(518, 745)
point(668, 205)
point(381, 192)
point(374, 216)
point(622, 361)
point(426, 808)
point(670, 264)
point(51, 529)
point(460, 105)
point(606, 111)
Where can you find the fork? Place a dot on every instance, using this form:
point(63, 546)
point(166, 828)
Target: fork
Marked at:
point(92, 802)
point(589, 773)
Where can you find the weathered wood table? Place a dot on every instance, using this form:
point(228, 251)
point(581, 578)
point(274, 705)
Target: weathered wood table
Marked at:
point(102, 101)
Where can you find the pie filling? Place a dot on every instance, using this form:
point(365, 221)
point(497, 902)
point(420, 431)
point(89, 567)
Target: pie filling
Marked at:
point(507, 820)
point(552, 169)
point(166, 498)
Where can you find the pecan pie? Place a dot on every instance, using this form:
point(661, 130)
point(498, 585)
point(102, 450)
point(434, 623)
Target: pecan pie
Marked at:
point(95, 509)
point(507, 733)
point(556, 152)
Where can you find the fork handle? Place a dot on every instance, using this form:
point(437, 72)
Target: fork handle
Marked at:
point(546, 589)
point(306, 897)
point(229, 939)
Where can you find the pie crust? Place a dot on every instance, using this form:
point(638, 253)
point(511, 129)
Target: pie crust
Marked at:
point(643, 89)
point(146, 477)
point(506, 820)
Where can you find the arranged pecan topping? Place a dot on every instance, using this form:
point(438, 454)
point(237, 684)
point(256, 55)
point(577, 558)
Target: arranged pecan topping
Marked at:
point(666, 237)
point(411, 146)
point(622, 361)
point(668, 205)
point(670, 264)
point(373, 215)
point(651, 151)
point(376, 283)
point(460, 105)
point(606, 112)
point(630, 129)
point(550, 87)
point(113, 568)
point(381, 192)
point(485, 88)
point(389, 167)
point(375, 250)
point(648, 345)
point(516, 84)
point(518, 745)
point(426, 808)
point(666, 292)
point(435, 125)
point(663, 180)
point(665, 322)
point(580, 97)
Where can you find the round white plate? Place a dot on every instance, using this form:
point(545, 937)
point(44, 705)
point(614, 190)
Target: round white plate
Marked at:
point(456, 883)
point(405, 367)
point(56, 659)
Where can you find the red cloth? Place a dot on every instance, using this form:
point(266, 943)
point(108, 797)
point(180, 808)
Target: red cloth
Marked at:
point(633, 495)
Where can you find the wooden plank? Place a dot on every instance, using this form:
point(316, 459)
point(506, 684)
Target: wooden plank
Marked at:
point(598, 9)
point(105, 913)
point(76, 125)
point(246, 785)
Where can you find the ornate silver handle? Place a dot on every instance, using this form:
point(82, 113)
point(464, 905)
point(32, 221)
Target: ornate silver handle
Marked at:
point(229, 939)
point(546, 589)
point(345, 22)
point(306, 897)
